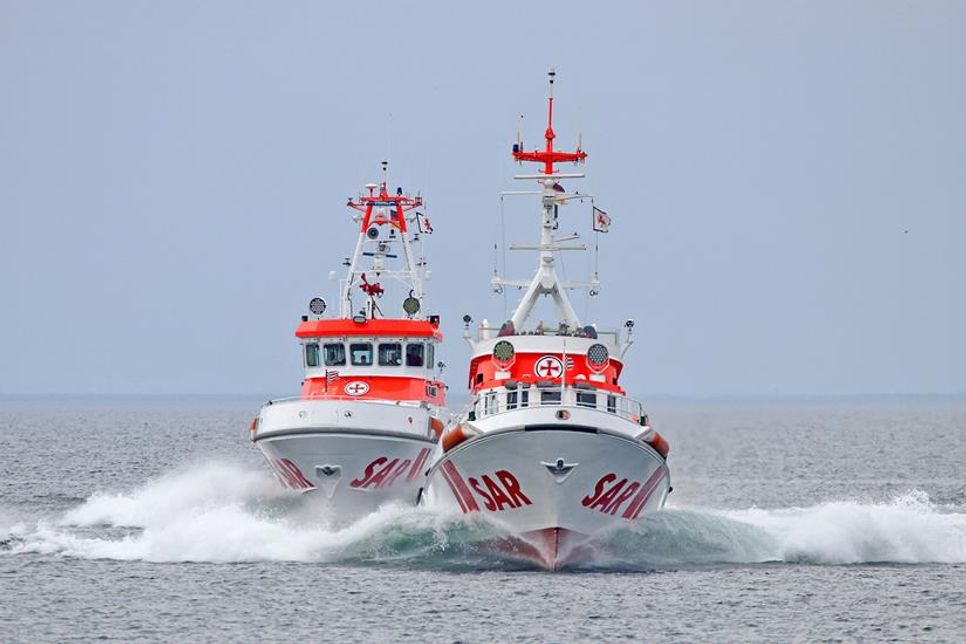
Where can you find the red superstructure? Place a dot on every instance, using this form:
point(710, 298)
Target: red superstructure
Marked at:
point(398, 366)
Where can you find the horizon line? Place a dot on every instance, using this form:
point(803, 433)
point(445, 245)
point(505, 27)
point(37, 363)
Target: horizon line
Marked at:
point(460, 396)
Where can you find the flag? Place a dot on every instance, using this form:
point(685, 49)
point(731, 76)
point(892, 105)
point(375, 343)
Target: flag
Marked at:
point(423, 223)
point(330, 376)
point(601, 220)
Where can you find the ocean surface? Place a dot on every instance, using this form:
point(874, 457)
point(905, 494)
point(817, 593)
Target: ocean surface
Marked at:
point(789, 521)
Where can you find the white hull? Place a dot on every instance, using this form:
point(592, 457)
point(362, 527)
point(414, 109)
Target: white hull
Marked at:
point(350, 475)
point(350, 471)
point(551, 489)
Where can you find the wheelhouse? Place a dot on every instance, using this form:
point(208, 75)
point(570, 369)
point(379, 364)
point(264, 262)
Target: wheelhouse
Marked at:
point(375, 358)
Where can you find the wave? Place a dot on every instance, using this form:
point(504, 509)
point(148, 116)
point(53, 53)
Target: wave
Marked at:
point(221, 512)
point(908, 529)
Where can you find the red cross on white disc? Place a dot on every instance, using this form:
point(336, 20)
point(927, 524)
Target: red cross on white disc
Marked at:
point(548, 367)
point(356, 388)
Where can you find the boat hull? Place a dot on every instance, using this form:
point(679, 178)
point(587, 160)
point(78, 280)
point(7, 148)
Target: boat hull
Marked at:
point(349, 474)
point(551, 490)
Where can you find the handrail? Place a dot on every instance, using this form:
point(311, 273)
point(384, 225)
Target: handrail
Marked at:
point(343, 398)
point(549, 332)
point(496, 401)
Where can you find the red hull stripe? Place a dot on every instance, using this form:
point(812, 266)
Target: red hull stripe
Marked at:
point(453, 489)
point(463, 488)
point(418, 464)
point(648, 496)
point(645, 492)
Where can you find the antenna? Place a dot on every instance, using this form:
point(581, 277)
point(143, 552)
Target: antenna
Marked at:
point(546, 282)
point(548, 156)
point(549, 135)
point(383, 223)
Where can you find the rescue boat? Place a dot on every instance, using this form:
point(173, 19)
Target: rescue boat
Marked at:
point(550, 447)
point(371, 407)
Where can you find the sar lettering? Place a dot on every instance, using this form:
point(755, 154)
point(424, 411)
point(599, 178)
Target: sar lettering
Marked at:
point(290, 474)
point(612, 495)
point(499, 494)
point(381, 473)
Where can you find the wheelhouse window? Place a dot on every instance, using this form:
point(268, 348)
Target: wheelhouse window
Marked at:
point(390, 354)
point(430, 355)
point(491, 403)
point(511, 400)
point(334, 354)
point(312, 354)
point(585, 399)
point(361, 354)
point(549, 397)
point(524, 398)
point(415, 354)
point(612, 404)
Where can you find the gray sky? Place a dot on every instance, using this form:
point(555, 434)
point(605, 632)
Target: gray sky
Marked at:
point(172, 181)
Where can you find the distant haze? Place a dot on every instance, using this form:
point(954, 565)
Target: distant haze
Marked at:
point(787, 183)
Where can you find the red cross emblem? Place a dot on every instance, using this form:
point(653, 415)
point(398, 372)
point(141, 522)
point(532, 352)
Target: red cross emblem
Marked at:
point(357, 388)
point(548, 367)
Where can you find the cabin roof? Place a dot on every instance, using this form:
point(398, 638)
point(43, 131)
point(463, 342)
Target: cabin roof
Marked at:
point(378, 327)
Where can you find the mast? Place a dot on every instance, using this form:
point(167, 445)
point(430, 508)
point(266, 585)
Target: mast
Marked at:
point(545, 281)
point(383, 224)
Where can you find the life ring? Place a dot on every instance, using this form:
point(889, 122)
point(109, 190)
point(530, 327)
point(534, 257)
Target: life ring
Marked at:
point(454, 437)
point(436, 425)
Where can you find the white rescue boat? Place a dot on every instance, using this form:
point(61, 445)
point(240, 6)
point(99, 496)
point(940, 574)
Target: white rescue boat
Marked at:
point(550, 448)
point(371, 407)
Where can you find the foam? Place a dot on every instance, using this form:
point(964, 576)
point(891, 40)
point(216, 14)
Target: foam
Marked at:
point(907, 529)
point(223, 512)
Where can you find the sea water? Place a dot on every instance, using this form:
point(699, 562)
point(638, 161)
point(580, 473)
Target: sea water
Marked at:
point(802, 520)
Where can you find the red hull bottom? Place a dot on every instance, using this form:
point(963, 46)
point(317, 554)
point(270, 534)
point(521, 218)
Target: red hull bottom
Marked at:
point(549, 548)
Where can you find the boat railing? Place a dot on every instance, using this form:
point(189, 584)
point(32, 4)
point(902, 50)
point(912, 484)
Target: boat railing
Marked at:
point(499, 401)
point(490, 332)
point(346, 398)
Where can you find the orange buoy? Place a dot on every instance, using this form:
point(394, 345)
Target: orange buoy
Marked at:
point(453, 437)
point(660, 444)
point(437, 426)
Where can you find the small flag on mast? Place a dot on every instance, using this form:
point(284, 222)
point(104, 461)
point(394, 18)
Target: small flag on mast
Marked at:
point(601, 220)
point(423, 224)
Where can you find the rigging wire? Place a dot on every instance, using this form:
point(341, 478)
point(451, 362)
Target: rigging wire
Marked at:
point(503, 254)
point(559, 255)
point(596, 248)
